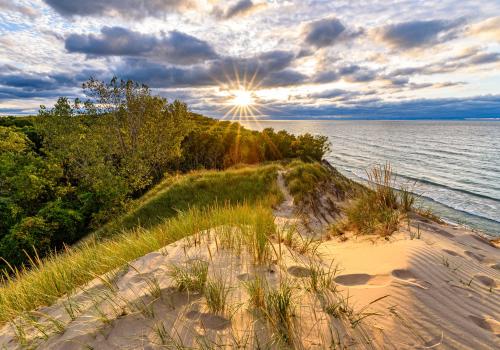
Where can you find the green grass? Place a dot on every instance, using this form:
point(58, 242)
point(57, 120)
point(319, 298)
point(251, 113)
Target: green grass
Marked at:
point(379, 208)
point(303, 178)
point(279, 310)
point(191, 276)
point(60, 274)
point(256, 290)
point(216, 293)
point(248, 184)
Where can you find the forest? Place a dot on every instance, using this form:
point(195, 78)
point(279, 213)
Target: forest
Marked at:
point(68, 170)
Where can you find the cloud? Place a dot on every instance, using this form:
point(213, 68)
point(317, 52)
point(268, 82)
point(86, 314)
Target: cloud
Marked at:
point(268, 69)
point(175, 47)
point(287, 77)
point(374, 108)
point(486, 29)
point(417, 34)
point(112, 41)
point(8, 5)
point(16, 84)
point(485, 58)
point(324, 32)
point(336, 94)
point(239, 8)
point(469, 58)
point(123, 8)
point(349, 72)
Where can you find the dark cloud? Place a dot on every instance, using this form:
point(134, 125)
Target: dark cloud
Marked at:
point(124, 8)
point(374, 108)
point(469, 59)
point(112, 41)
point(349, 72)
point(238, 8)
point(414, 34)
point(267, 69)
point(18, 85)
point(276, 60)
point(330, 94)
point(324, 32)
point(326, 77)
point(485, 58)
point(175, 47)
point(285, 77)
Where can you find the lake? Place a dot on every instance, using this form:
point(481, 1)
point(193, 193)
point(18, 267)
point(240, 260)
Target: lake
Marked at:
point(453, 165)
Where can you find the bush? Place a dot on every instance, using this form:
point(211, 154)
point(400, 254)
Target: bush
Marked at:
point(30, 237)
point(66, 224)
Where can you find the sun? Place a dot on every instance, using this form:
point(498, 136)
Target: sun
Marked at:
point(242, 98)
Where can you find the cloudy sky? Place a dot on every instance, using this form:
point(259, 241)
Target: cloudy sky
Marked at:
point(300, 59)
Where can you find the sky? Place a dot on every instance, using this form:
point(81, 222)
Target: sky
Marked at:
point(286, 59)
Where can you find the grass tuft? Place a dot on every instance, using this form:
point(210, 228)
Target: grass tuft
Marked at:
point(191, 276)
point(216, 293)
point(279, 310)
point(256, 290)
point(377, 209)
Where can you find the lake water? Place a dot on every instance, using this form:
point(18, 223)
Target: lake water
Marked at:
point(453, 165)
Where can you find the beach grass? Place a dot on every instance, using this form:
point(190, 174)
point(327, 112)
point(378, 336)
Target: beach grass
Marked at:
point(380, 207)
point(199, 189)
point(303, 178)
point(61, 274)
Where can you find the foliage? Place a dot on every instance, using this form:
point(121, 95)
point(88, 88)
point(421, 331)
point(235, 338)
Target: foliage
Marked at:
point(72, 168)
point(304, 178)
point(220, 144)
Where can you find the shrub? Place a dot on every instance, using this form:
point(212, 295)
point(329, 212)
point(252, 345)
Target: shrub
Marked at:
point(29, 237)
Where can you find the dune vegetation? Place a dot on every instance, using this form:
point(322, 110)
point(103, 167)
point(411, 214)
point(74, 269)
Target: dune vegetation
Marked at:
point(75, 167)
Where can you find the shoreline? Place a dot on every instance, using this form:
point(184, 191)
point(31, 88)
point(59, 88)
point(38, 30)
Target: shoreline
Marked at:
point(431, 201)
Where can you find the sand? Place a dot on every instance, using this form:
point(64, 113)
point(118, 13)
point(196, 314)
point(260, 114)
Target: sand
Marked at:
point(432, 286)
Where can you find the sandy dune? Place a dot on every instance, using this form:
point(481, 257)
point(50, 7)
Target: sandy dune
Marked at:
point(438, 288)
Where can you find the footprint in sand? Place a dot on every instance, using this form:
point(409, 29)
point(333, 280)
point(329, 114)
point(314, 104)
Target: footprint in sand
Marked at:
point(488, 324)
point(476, 256)
point(214, 322)
point(245, 277)
point(451, 252)
point(409, 277)
point(495, 266)
point(480, 257)
point(486, 281)
point(299, 271)
point(363, 279)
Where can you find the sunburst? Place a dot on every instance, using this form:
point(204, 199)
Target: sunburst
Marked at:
point(242, 98)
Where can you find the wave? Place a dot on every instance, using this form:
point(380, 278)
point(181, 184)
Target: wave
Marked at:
point(440, 202)
point(432, 183)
